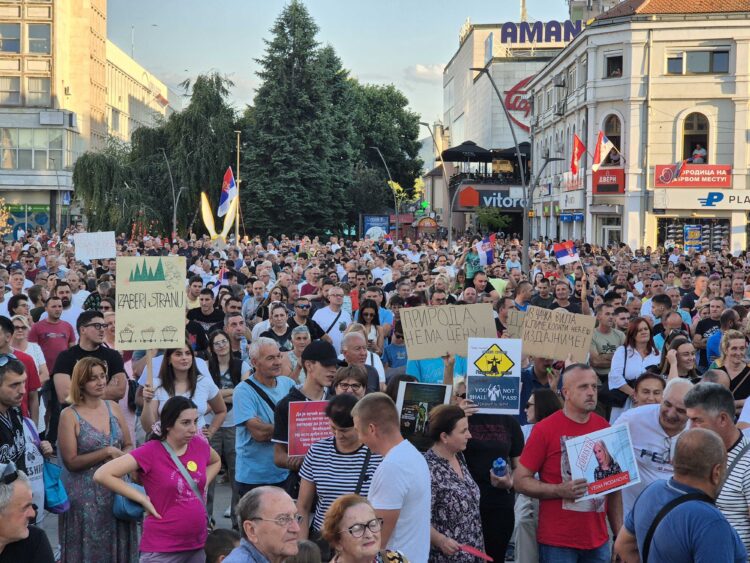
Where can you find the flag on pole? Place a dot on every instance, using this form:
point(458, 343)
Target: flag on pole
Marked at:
point(566, 252)
point(677, 168)
point(578, 149)
point(486, 250)
point(228, 192)
point(603, 147)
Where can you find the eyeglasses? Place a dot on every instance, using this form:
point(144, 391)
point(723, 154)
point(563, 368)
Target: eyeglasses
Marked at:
point(97, 326)
point(529, 405)
point(220, 343)
point(335, 295)
point(303, 307)
point(358, 530)
point(20, 327)
point(285, 520)
point(349, 386)
point(10, 474)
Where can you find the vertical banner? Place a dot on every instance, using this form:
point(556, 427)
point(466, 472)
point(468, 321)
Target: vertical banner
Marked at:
point(151, 300)
point(692, 237)
point(493, 375)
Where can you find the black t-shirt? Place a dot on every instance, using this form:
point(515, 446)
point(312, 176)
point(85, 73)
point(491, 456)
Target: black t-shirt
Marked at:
point(284, 341)
point(206, 321)
point(196, 336)
point(740, 385)
point(316, 333)
point(571, 307)
point(12, 441)
point(688, 301)
point(539, 301)
point(33, 549)
point(706, 327)
point(281, 415)
point(492, 436)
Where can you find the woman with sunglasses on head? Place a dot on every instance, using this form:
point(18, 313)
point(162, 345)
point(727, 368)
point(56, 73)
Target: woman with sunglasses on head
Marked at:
point(92, 432)
point(174, 467)
point(334, 466)
point(227, 372)
point(354, 533)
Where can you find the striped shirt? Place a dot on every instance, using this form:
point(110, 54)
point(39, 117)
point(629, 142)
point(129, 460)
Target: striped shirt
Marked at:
point(334, 473)
point(734, 499)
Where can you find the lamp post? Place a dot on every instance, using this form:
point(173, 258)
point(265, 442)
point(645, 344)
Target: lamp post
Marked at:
point(175, 197)
point(395, 200)
point(237, 216)
point(445, 180)
point(529, 201)
point(525, 235)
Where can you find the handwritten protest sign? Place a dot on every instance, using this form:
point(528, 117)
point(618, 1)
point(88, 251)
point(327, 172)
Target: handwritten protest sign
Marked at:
point(151, 299)
point(90, 246)
point(557, 333)
point(514, 327)
point(431, 332)
point(493, 375)
point(605, 459)
point(414, 403)
point(308, 423)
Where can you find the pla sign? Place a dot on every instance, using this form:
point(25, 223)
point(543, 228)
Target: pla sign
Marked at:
point(493, 375)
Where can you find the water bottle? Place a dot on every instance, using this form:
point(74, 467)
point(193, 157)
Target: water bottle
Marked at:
point(499, 467)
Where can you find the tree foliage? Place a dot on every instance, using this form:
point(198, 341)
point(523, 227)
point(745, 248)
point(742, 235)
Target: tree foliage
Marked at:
point(492, 219)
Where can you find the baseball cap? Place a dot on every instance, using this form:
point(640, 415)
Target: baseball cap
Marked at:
point(320, 351)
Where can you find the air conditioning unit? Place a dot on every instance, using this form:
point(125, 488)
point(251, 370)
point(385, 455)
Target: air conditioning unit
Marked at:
point(560, 108)
point(67, 90)
point(559, 81)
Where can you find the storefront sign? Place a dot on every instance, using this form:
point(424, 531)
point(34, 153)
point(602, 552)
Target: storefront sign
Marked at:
point(692, 236)
point(708, 200)
point(571, 200)
point(566, 218)
point(471, 197)
point(609, 181)
point(571, 182)
point(578, 217)
point(693, 176)
point(375, 227)
point(540, 32)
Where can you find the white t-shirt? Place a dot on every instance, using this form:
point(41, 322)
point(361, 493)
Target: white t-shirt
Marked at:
point(402, 482)
point(205, 390)
point(79, 298)
point(621, 370)
point(34, 467)
point(652, 448)
point(325, 317)
point(200, 364)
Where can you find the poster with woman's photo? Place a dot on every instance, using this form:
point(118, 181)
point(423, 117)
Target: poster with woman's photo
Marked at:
point(414, 403)
point(605, 459)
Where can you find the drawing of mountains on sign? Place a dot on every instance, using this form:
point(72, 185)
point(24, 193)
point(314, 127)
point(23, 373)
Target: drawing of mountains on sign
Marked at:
point(146, 274)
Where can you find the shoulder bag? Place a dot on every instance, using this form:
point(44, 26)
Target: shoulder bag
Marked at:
point(124, 508)
point(666, 509)
point(188, 479)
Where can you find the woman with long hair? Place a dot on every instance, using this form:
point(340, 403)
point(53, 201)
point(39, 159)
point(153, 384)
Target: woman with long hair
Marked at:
point(92, 432)
point(631, 360)
point(370, 319)
point(174, 467)
point(732, 361)
point(459, 283)
point(279, 294)
point(179, 376)
point(679, 359)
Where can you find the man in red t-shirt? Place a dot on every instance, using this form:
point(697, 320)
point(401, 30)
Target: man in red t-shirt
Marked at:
point(30, 401)
point(567, 529)
point(52, 334)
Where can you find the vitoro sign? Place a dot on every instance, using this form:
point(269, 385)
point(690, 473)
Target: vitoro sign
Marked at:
point(693, 176)
point(470, 198)
point(608, 181)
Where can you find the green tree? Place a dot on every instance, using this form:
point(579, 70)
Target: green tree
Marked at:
point(492, 219)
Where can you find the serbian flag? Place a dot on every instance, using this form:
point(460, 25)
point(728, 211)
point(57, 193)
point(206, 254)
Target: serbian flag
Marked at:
point(486, 250)
point(603, 147)
point(228, 192)
point(566, 252)
point(578, 149)
point(677, 168)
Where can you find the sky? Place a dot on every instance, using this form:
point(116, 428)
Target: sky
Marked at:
point(405, 43)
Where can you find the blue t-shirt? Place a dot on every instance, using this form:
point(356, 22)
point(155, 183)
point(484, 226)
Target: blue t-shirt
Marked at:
point(431, 369)
point(395, 355)
point(693, 531)
point(713, 350)
point(254, 463)
point(384, 316)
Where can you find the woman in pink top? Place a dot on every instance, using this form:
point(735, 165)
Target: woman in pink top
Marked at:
point(174, 530)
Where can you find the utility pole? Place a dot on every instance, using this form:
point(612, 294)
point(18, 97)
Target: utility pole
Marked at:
point(395, 200)
point(237, 216)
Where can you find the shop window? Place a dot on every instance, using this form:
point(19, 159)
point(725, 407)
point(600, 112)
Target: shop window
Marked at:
point(613, 131)
point(613, 66)
point(695, 138)
point(10, 90)
point(10, 38)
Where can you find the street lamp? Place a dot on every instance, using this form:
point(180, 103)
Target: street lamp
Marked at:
point(529, 202)
point(175, 197)
point(445, 180)
point(395, 201)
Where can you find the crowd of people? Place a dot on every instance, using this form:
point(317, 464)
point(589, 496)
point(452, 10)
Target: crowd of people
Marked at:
point(270, 322)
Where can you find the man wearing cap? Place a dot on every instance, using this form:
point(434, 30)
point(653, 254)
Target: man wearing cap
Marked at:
point(319, 362)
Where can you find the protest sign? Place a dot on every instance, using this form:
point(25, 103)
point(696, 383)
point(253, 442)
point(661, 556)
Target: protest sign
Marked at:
point(493, 375)
point(555, 334)
point(605, 459)
point(151, 300)
point(90, 246)
point(414, 403)
point(514, 327)
point(308, 423)
point(431, 332)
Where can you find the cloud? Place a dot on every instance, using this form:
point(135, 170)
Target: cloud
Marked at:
point(425, 73)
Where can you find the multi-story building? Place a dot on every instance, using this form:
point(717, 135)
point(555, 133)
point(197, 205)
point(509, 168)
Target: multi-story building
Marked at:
point(666, 81)
point(63, 90)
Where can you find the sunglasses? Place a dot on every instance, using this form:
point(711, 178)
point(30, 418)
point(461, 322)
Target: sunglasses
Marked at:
point(10, 473)
point(5, 358)
point(303, 306)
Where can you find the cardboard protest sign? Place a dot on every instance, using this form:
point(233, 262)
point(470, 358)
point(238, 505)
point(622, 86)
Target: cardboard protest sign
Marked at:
point(514, 327)
point(151, 301)
point(555, 334)
point(308, 423)
point(493, 375)
point(414, 403)
point(90, 246)
point(605, 459)
point(431, 332)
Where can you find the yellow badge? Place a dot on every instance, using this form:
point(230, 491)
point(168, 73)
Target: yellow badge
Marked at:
point(192, 466)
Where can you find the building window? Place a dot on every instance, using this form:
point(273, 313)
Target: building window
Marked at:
point(10, 90)
point(613, 66)
point(10, 37)
point(37, 93)
point(698, 62)
point(613, 131)
point(572, 79)
point(674, 64)
point(39, 38)
point(8, 144)
point(548, 105)
point(35, 149)
point(695, 138)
